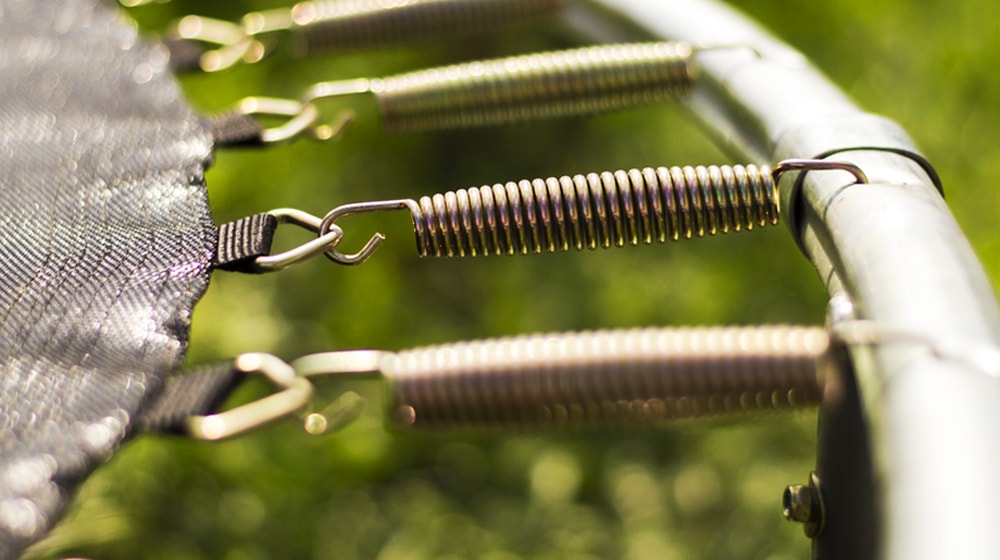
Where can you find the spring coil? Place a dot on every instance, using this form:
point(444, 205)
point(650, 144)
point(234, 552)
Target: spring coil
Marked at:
point(572, 82)
point(595, 210)
point(332, 25)
point(608, 378)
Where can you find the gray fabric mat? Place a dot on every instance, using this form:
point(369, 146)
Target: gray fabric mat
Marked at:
point(105, 245)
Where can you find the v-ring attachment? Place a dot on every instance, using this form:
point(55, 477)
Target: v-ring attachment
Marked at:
point(232, 43)
point(326, 239)
point(295, 393)
point(302, 119)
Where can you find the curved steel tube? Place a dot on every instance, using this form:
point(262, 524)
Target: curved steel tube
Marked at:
point(891, 246)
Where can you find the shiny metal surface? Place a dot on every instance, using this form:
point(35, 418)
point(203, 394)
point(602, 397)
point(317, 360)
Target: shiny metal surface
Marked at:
point(295, 393)
point(895, 250)
point(336, 25)
point(607, 378)
point(579, 81)
point(329, 224)
point(335, 416)
point(596, 210)
point(324, 26)
point(302, 121)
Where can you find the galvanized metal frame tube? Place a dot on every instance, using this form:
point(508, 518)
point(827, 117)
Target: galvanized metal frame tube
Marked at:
point(928, 378)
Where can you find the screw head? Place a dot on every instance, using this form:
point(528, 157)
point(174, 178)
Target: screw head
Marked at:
point(797, 503)
point(804, 504)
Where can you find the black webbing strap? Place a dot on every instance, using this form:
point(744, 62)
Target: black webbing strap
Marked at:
point(185, 54)
point(242, 241)
point(197, 391)
point(234, 130)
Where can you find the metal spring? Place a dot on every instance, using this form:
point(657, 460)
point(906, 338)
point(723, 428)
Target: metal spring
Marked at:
point(571, 82)
point(595, 210)
point(607, 378)
point(331, 25)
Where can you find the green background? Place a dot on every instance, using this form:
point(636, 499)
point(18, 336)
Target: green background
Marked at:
point(698, 489)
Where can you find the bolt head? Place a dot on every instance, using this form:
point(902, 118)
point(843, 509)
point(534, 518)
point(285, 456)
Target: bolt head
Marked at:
point(797, 503)
point(804, 504)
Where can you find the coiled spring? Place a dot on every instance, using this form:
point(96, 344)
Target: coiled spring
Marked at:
point(340, 25)
point(607, 378)
point(335, 25)
point(582, 81)
point(596, 210)
point(542, 85)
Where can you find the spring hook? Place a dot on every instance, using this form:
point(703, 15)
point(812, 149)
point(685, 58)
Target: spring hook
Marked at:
point(819, 165)
point(303, 119)
point(362, 208)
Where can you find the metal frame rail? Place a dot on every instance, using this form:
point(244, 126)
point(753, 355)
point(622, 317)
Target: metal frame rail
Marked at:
point(891, 255)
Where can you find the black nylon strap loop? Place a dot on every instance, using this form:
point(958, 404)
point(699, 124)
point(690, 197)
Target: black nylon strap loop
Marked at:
point(185, 55)
point(242, 241)
point(232, 130)
point(198, 391)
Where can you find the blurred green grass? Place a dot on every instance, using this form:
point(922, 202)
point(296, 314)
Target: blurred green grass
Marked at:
point(707, 490)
